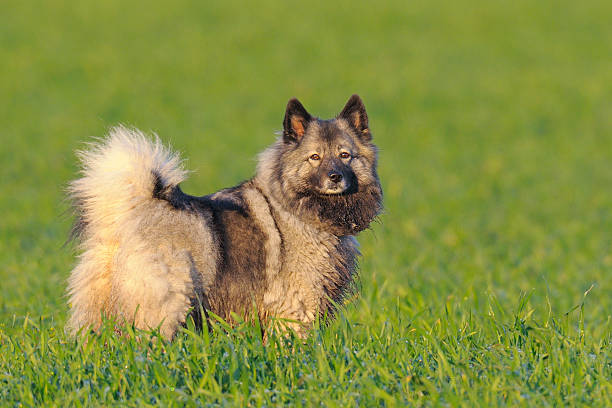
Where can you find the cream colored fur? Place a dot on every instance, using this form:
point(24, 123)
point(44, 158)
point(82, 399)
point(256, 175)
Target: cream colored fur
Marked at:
point(149, 284)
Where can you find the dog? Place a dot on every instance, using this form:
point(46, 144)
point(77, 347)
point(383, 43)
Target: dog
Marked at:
point(280, 245)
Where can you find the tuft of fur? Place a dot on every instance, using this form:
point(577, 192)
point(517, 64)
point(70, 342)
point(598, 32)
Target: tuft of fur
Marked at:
point(117, 174)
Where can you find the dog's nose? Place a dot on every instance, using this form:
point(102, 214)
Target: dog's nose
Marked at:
point(335, 177)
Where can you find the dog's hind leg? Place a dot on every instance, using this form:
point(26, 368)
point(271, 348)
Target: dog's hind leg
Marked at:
point(89, 288)
point(154, 289)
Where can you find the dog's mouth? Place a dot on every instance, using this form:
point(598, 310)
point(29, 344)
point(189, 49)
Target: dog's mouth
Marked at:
point(336, 191)
point(332, 193)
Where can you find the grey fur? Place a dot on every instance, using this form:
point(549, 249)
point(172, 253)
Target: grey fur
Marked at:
point(280, 244)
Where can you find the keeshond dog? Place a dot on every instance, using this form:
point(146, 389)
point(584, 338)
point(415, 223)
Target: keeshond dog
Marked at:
point(280, 245)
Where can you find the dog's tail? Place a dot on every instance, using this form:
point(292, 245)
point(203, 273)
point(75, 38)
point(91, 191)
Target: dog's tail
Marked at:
point(120, 175)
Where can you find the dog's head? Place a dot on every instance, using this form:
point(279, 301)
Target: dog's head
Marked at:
point(326, 169)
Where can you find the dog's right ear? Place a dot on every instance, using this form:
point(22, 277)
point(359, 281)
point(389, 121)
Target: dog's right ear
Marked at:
point(296, 121)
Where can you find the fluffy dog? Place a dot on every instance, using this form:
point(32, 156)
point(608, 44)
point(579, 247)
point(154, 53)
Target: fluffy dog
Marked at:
point(278, 245)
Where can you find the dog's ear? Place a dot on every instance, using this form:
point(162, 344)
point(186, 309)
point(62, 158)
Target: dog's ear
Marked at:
point(354, 113)
point(296, 121)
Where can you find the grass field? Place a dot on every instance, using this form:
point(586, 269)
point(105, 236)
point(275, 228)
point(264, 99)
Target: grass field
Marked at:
point(487, 281)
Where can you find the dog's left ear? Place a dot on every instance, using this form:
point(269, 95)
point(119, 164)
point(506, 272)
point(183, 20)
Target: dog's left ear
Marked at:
point(296, 121)
point(354, 113)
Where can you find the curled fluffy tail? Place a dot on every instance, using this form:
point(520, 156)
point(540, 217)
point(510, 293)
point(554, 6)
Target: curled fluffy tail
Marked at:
point(118, 173)
point(121, 174)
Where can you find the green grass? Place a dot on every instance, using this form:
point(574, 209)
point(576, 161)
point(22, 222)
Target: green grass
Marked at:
point(494, 121)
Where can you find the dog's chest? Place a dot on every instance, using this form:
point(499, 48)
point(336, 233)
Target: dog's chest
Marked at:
point(311, 262)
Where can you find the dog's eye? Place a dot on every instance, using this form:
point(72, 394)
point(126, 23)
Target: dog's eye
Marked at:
point(315, 157)
point(344, 155)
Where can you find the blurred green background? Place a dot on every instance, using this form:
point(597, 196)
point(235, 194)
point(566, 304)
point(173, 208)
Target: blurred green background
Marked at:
point(493, 118)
